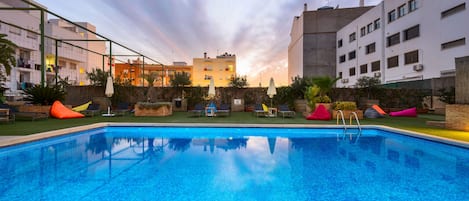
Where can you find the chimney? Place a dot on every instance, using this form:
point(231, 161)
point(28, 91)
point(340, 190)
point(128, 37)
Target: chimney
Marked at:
point(205, 55)
point(306, 7)
point(362, 3)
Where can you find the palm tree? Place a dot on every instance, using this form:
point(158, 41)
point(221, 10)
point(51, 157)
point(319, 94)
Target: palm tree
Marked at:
point(150, 78)
point(7, 55)
point(325, 84)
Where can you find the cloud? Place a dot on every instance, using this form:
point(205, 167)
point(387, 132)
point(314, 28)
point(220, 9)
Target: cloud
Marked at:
point(258, 32)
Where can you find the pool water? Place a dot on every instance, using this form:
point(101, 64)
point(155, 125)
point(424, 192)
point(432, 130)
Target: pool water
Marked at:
point(177, 163)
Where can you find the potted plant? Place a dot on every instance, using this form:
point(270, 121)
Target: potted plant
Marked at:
point(42, 98)
point(347, 107)
point(325, 85)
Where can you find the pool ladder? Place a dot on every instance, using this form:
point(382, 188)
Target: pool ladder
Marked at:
point(340, 114)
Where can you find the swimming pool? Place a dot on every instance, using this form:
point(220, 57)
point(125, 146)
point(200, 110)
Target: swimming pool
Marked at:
point(199, 163)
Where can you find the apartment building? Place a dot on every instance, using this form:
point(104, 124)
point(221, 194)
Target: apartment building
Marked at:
point(133, 71)
point(22, 28)
point(312, 49)
point(221, 69)
point(403, 40)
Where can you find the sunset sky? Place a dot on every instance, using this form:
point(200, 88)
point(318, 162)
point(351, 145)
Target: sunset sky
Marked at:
point(257, 31)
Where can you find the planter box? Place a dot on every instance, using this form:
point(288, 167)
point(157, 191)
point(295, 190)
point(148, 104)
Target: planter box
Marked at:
point(35, 108)
point(160, 109)
point(347, 114)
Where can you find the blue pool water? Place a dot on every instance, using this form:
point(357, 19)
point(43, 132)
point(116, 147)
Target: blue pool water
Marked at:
point(175, 163)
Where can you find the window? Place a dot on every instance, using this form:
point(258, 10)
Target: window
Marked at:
point(342, 59)
point(339, 43)
point(363, 69)
point(207, 77)
point(351, 71)
point(73, 66)
point(412, 5)
point(412, 32)
point(340, 74)
point(393, 61)
point(377, 23)
point(352, 37)
point(362, 32)
point(411, 57)
point(31, 35)
point(370, 48)
point(391, 16)
point(369, 28)
point(394, 39)
point(401, 11)
point(352, 55)
point(375, 66)
point(15, 30)
point(453, 10)
point(454, 43)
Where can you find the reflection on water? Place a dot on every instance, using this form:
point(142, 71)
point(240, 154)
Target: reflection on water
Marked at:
point(104, 167)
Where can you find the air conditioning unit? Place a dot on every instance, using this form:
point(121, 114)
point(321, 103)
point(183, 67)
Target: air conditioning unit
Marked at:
point(345, 80)
point(418, 67)
point(377, 74)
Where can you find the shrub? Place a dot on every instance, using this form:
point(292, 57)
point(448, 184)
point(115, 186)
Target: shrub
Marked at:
point(345, 105)
point(44, 95)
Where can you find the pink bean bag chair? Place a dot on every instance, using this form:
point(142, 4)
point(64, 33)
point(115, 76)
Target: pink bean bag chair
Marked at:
point(412, 112)
point(320, 113)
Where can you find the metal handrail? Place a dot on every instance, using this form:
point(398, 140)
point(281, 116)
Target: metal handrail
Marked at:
point(339, 112)
point(354, 114)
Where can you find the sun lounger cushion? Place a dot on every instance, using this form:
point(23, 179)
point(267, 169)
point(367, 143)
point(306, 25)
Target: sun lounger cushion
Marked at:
point(81, 107)
point(411, 112)
point(320, 113)
point(59, 111)
point(265, 108)
point(378, 109)
point(372, 113)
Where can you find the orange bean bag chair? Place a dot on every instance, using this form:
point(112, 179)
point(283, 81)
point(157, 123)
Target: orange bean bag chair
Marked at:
point(378, 109)
point(320, 113)
point(59, 111)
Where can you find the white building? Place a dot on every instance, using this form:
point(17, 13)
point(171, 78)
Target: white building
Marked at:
point(74, 62)
point(403, 40)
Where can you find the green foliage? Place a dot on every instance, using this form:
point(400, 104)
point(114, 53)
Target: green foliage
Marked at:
point(299, 85)
point(447, 95)
point(195, 95)
point(311, 96)
point(238, 82)
point(283, 96)
point(181, 79)
point(151, 78)
point(249, 97)
point(345, 105)
point(44, 95)
point(324, 99)
point(7, 55)
point(97, 77)
point(369, 85)
point(325, 84)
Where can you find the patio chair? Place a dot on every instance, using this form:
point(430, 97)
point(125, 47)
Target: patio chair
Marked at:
point(260, 110)
point(284, 111)
point(198, 110)
point(14, 114)
point(92, 110)
point(223, 110)
point(122, 109)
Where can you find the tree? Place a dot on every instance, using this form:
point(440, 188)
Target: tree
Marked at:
point(181, 79)
point(238, 82)
point(7, 55)
point(150, 78)
point(97, 77)
point(369, 84)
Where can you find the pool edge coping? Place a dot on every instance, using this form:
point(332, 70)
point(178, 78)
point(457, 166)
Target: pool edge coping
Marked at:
point(55, 133)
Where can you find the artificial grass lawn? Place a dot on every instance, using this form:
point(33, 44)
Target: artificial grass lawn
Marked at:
point(407, 123)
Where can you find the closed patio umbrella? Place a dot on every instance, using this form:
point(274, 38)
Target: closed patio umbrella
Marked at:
point(271, 91)
point(211, 88)
point(109, 92)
